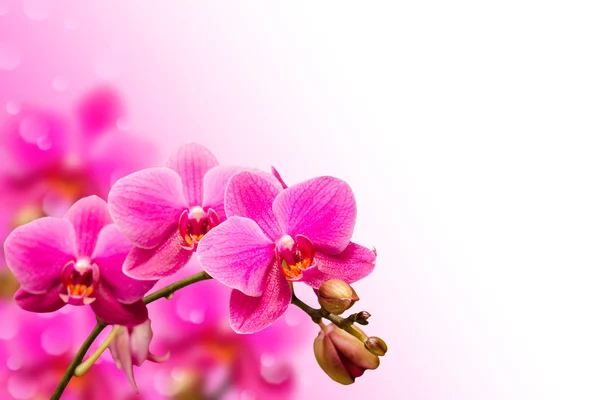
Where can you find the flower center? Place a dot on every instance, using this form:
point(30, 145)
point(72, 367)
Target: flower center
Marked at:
point(294, 256)
point(194, 224)
point(79, 279)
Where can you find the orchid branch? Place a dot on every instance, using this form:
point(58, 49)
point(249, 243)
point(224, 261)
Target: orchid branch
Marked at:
point(62, 385)
point(318, 314)
point(165, 292)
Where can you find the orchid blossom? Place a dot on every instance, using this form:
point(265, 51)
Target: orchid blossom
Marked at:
point(76, 260)
point(166, 211)
point(276, 236)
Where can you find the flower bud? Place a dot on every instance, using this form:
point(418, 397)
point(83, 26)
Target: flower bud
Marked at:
point(342, 356)
point(336, 296)
point(376, 346)
point(362, 317)
point(131, 347)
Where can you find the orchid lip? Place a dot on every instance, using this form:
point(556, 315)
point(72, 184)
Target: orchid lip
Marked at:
point(194, 223)
point(80, 279)
point(294, 256)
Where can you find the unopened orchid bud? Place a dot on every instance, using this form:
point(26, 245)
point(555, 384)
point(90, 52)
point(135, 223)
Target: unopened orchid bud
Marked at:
point(376, 345)
point(131, 346)
point(342, 356)
point(336, 296)
point(362, 317)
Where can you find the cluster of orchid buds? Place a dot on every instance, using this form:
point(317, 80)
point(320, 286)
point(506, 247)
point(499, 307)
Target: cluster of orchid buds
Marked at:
point(343, 350)
point(250, 232)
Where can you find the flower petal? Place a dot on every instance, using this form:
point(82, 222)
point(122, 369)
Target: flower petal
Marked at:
point(146, 205)
point(252, 314)
point(215, 182)
point(88, 216)
point(37, 252)
point(238, 254)
point(140, 338)
point(40, 303)
point(109, 310)
point(121, 353)
point(110, 254)
point(159, 262)
point(251, 195)
point(323, 209)
point(192, 161)
point(351, 265)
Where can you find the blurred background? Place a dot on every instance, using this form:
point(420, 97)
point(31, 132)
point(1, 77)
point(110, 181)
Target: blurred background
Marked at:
point(468, 131)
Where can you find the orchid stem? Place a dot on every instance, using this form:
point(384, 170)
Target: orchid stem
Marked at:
point(87, 364)
point(62, 385)
point(318, 315)
point(167, 291)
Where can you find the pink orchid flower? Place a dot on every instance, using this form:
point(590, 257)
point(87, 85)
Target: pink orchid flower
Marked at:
point(165, 212)
point(76, 260)
point(273, 237)
point(131, 346)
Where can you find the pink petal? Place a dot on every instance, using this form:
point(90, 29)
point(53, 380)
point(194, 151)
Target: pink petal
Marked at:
point(351, 265)
point(121, 353)
point(215, 182)
point(251, 195)
point(88, 216)
point(252, 314)
point(159, 262)
point(146, 205)
point(40, 303)
point(323, 209)
point(37, 252)
point(277, 176)
point(238, 254)
point(192, 161)
point(110, 254)
point(140, 338)
point(109, 310)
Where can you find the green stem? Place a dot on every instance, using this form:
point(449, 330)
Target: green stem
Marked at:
point(164, 292)
point(169, 290)
point(340, 322)
point(62, 385)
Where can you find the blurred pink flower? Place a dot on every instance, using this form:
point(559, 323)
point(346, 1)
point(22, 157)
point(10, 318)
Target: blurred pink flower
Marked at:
point(99, 111)
point(76, 260)
point(52, 159)
point(37, 350)
point(274, 236)
point(207, 357)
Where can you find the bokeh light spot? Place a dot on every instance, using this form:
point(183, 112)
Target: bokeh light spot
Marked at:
point(55, 340)
point(60, 84)
point(13, 107)
point(21, 387)
point(4, 7)
point(37, 10)
point(33, 128)
point(10, 56)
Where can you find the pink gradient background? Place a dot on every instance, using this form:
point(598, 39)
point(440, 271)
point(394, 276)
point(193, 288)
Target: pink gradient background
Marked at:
point(466, 132)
